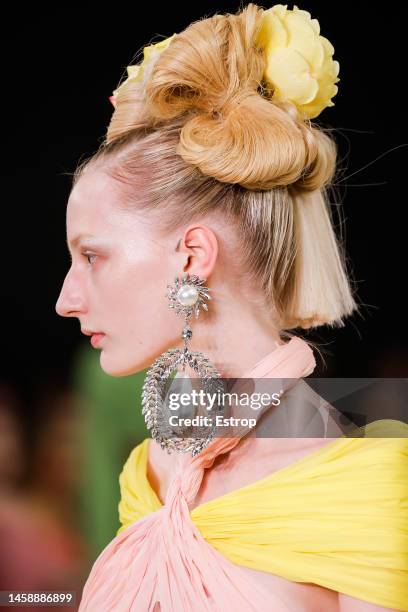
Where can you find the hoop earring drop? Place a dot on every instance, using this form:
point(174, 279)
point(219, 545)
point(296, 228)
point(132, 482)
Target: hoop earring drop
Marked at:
point(187, 296)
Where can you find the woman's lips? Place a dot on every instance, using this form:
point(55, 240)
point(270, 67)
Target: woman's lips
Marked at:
point(95, 339)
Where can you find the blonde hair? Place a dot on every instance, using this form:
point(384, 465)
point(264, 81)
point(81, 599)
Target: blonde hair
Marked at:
point(201, 133)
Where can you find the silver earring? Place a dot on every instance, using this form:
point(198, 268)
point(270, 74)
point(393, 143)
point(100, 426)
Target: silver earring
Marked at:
point(187, 297)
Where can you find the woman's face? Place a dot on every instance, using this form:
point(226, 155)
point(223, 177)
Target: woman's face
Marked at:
point(118, 278)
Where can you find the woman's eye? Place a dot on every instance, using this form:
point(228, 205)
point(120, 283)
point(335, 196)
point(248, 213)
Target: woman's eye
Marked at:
point(89, 257)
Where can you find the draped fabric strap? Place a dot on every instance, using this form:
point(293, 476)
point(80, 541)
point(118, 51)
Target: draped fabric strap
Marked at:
point(162, 562)
point(289, 361)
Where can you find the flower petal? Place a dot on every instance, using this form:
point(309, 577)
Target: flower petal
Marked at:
point(303, 38)
point(272, 34)
point(290, 74)
point(299, 61)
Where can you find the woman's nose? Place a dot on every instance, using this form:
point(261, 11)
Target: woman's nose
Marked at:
point(71, 301)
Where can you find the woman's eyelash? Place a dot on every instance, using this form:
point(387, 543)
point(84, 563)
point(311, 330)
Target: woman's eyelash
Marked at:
point(88, 255)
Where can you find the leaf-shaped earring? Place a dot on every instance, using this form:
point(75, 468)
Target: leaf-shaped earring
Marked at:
point(187, 296)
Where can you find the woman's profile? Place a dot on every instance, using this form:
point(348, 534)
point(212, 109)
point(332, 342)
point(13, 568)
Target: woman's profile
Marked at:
point(214, 173)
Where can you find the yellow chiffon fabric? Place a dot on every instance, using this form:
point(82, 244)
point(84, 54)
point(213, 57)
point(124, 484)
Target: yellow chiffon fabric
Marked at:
point(337, 518)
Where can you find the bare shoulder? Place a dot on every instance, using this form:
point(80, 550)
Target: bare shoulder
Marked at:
point(351, 604)
point(159, 468)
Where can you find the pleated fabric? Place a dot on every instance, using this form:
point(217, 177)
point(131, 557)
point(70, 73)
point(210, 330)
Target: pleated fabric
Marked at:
point(337, 518)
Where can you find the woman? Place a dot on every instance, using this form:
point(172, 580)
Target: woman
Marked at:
point(212, 168)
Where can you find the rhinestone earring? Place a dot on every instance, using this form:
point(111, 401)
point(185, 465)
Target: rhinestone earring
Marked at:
point(187, 297)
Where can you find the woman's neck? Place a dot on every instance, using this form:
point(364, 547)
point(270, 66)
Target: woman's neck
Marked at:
point(234, 339)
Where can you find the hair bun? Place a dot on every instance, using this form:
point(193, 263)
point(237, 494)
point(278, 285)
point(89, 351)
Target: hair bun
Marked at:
point(234, 127)
point(256, 144)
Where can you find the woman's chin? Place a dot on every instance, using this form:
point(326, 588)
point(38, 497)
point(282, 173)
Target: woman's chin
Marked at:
point(116, 367)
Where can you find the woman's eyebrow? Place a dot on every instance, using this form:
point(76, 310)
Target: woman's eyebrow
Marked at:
point(73, 243)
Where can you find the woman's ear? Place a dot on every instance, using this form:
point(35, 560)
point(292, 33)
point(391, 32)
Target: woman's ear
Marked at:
point(198, 248)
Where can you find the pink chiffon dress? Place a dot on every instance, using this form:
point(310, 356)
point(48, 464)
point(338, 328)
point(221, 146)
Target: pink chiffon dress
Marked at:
point(179, 557)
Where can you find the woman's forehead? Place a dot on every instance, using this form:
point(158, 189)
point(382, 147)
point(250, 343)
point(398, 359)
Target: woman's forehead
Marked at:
point(91, 188)
point(93, 211)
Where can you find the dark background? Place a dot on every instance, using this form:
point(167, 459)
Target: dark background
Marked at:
point(59, 66)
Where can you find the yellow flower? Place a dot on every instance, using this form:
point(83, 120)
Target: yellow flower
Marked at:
point(299, 63)
point(135, 72)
